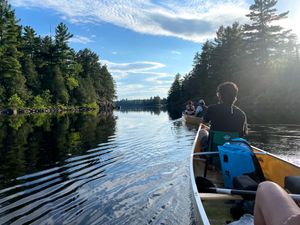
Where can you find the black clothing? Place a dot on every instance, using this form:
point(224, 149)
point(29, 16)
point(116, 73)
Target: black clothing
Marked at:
point(227, 118)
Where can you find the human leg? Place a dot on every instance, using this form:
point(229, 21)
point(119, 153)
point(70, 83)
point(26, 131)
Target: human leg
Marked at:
point(273, 206)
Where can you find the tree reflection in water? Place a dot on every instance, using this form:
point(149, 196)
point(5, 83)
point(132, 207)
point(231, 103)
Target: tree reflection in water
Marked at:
point(36, 142)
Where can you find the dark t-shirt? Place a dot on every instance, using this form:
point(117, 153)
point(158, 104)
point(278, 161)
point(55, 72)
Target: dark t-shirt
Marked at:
point(224, 117)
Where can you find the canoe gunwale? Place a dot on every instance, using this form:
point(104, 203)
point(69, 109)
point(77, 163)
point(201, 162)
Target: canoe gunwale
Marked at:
point(272, 155)
point(198, 203)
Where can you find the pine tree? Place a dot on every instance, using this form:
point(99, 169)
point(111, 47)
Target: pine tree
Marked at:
point(197, 84)
point(264, 38)
point(30, 64)
point(29, 42)
point(62, 50)
point(10, 71)
point(174, 100)
point(58, 88)
point(91, 76)
point(29, 50)
point(108, 85)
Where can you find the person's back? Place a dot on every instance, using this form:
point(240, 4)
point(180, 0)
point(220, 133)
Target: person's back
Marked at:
point(201, 108)
point(228, 118)
point(225, 116)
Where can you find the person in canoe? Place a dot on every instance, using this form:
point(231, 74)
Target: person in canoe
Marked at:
point(201, 108)
point(224, 116)
point(190, 108)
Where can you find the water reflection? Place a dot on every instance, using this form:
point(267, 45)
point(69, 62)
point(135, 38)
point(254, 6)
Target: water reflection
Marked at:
point(152, 110)
point(281, 140)
point(87, 169)
point(33, 143)
point(175, 114)
point(132, 168)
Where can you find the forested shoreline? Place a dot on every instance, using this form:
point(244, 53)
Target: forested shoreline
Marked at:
point(45, 73)
point(152, 102)
point(260, 57)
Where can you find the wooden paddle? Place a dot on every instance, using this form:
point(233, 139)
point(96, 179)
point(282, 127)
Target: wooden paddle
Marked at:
point(228, 191)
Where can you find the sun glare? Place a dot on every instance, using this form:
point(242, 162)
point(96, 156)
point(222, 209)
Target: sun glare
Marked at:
point(294, 18)
point(296, 28)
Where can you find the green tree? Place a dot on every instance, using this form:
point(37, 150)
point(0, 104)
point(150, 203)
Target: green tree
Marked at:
point(197, 83)
point(85, 93)
point(108, 85)
point(15, 102)
point(34, 66)
point(58, 88)
point(29, 50)
point(95, 77)
point(10, 71)
point(228, 53)
point(264, 37)
point(62, 50)
point(174, 100)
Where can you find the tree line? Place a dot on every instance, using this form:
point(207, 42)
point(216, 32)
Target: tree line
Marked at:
point(262, 58)
point(40, 72)
point(155, 102)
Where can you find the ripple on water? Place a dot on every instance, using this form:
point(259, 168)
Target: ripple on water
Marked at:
point(55, 189)
point(138, 175)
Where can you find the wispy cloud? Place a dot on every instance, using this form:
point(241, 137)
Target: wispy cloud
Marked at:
point(194, 20)
point(139, 79)
point(133, 67)
point(80, 39)
point(140, 91)
point(176, 52)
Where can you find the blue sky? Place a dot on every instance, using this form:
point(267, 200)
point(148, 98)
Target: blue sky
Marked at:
point(144, 43)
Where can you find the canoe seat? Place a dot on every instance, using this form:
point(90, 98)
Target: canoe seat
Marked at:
point(244, 182)
point(292, 184)
point(217, 138)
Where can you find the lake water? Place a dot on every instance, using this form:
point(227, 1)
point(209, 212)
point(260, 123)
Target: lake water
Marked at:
point(125, 168)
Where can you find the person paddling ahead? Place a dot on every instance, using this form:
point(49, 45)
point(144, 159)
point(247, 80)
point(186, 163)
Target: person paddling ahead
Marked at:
point(225, 116)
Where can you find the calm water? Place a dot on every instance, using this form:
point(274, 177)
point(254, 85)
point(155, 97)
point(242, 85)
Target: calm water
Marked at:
point(126, 168)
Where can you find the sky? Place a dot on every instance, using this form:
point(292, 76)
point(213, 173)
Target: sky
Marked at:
point(144, 43)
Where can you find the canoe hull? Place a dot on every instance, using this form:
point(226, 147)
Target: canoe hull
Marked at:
point(192, 120)
point(274, 169)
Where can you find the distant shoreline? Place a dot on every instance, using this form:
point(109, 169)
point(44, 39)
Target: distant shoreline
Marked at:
point(29, 111)
point(9, 111)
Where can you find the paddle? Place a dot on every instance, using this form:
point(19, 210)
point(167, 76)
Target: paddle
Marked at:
point(228, 191)
point(206, 185)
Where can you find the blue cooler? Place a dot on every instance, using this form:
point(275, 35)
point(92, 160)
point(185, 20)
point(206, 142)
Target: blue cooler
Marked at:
point(235, 160)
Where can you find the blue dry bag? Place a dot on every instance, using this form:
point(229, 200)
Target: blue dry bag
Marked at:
point(236, 159)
